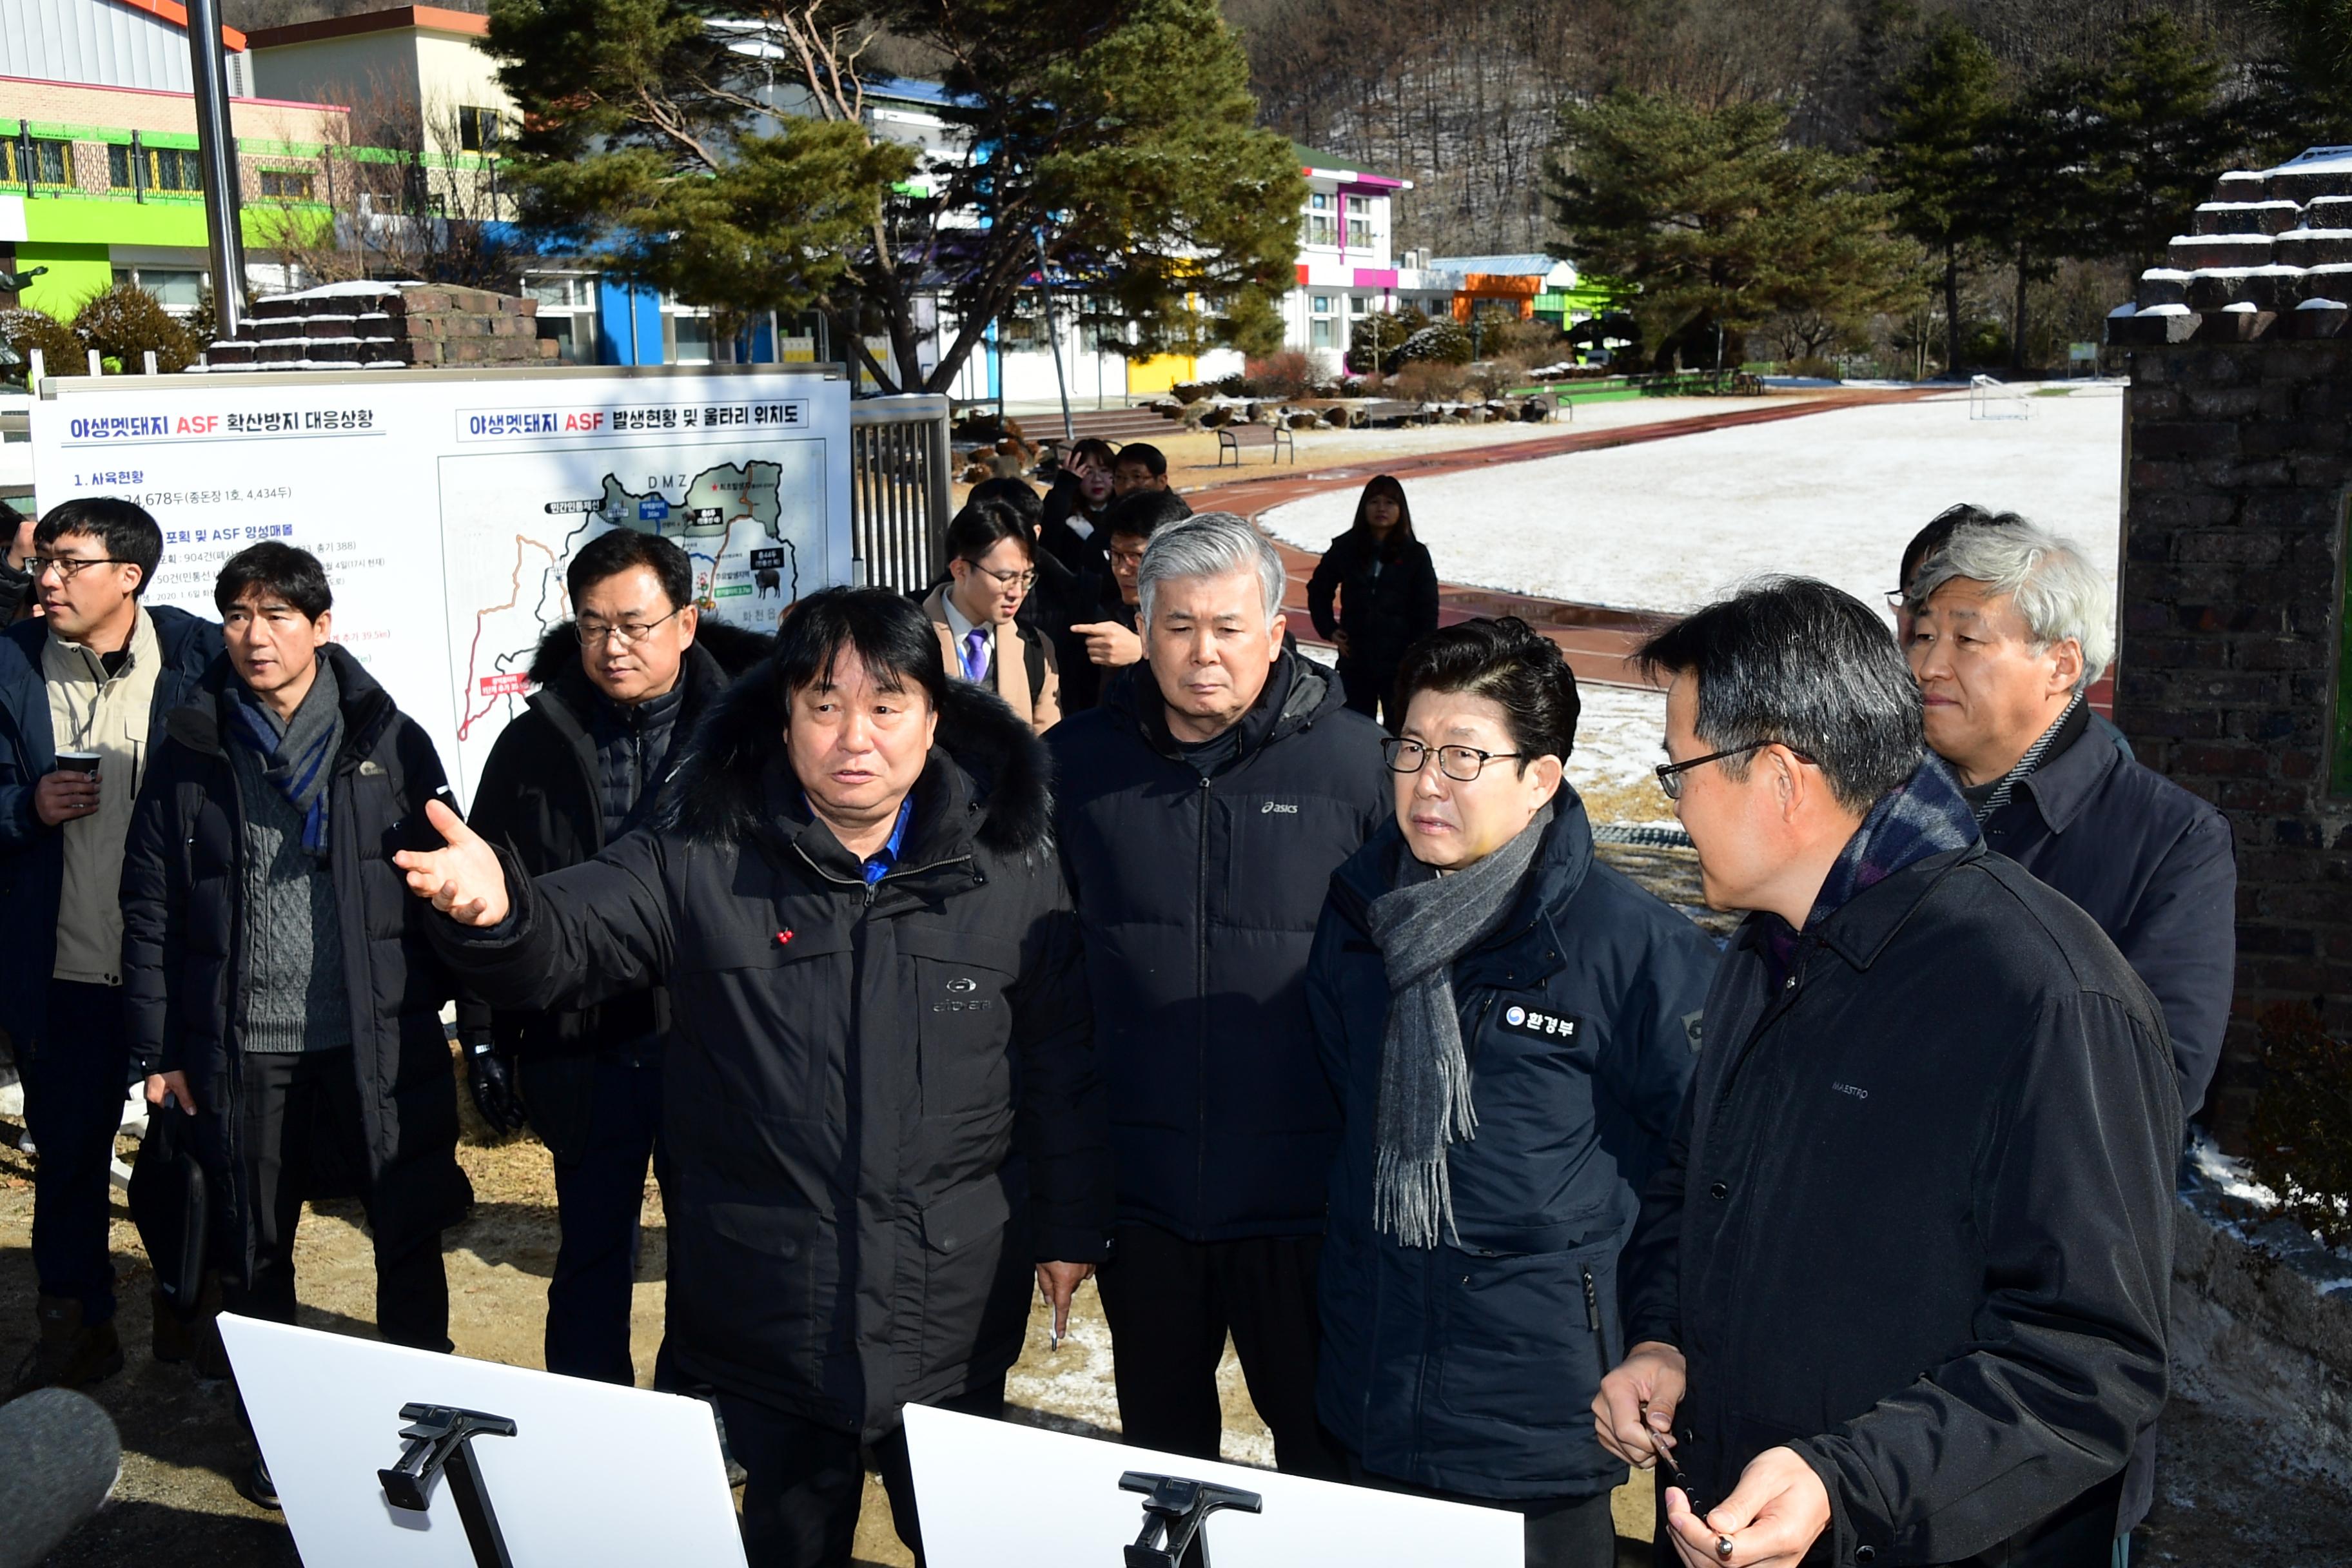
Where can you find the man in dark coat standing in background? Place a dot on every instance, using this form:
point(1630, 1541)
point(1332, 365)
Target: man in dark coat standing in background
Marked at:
point(620, 688)
point(1108, 631)
point(2010, 628)
point(1202, 809)
point(280, 987)
point(98, 672)
point(1903, 1281)
point(880, 1108)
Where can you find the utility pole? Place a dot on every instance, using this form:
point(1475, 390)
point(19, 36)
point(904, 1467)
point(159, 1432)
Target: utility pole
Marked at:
point(218, 156)
point(1052, 339)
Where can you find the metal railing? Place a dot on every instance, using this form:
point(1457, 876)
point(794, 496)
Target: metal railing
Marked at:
point(899, 471)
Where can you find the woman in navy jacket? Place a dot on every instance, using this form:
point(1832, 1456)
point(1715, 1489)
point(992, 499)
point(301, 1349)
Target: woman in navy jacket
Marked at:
point(1488, 1172)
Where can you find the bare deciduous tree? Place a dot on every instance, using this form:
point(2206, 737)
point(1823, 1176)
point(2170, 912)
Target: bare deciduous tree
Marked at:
point(404, 196)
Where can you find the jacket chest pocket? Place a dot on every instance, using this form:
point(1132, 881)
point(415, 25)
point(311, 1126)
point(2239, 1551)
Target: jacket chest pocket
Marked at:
point(1531, 1057)
point(768, 1015)
point(370, 812)
point(962, 1016)
point(212, 856)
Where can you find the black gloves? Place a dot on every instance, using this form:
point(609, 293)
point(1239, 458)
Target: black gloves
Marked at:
point(489, 1075)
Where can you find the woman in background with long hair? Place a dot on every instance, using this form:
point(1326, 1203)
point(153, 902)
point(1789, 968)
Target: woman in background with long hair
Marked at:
point(1387, 589)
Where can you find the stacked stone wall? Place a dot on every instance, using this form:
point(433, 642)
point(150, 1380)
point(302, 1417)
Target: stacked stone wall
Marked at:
point(386, 326)
point(2238, 477)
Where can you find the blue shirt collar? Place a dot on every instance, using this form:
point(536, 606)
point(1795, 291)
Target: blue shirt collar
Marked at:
point(879, 865)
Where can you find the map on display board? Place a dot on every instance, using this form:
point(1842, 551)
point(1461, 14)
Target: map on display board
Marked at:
point(446, 505)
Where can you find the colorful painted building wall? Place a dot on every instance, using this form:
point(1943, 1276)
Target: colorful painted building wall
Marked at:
point(100, 180)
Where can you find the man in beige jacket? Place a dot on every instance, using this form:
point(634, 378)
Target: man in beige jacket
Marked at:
point(990, 569)
point(83, 693)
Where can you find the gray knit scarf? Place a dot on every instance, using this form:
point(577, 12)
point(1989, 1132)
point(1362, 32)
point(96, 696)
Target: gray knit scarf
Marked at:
point(1422, 926)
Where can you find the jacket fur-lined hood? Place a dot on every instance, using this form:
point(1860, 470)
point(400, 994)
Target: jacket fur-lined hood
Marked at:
point(722, 789)
point(735, 649)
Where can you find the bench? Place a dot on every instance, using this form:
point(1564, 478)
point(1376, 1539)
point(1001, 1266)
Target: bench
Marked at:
point(1389, 410)
point(1234, 437)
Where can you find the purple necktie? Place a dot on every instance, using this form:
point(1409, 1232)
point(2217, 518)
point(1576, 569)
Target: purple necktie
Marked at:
point(975, 653)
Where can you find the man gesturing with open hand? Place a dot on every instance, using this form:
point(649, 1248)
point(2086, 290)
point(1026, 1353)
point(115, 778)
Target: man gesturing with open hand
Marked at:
point(880, 1102)
point(464, 879)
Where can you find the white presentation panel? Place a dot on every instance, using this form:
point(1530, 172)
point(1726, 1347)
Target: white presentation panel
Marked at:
point(446, 504)
point(595, 1474)
point(996, 1494)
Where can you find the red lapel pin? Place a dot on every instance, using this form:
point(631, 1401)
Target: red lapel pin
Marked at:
point(782, 937)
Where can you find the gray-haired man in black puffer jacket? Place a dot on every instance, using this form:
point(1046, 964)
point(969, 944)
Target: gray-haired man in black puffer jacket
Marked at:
point(1202, 809)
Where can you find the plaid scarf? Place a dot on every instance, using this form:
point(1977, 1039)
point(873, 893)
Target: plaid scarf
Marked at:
point(1924, 816)
point(297, 754)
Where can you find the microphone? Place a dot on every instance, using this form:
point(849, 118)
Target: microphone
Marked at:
point(59, 1457)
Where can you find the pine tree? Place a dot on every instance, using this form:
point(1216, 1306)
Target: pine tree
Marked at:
point(1718, 220)
point(1941, 118)
point(1113, 156)
point(2311, 100)
point(2134, 137)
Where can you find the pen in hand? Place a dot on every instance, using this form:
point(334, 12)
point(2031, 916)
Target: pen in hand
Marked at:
point(1673, 1474)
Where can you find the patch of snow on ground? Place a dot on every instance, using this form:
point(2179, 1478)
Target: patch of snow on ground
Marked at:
point(2226, 1173)
point(1618, 736)
point(1668, 525)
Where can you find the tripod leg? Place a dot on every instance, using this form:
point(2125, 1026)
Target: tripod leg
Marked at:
point(473, 1500)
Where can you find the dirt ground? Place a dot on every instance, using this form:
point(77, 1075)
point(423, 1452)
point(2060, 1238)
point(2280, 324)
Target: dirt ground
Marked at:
point(2229, 1497)
point(178, 1502)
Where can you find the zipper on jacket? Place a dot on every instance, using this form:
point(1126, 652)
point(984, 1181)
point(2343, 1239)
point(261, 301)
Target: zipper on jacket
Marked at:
point(1201, 1005)
point(1592, 1321)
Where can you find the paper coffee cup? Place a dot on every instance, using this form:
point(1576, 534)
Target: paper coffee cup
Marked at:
point(78, 761)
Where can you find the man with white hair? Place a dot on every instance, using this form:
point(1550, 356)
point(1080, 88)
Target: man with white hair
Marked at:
point(2010, 628)
point(1202, 809)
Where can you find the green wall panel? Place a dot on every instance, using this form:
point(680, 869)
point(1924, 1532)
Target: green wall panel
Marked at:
point(76, 272)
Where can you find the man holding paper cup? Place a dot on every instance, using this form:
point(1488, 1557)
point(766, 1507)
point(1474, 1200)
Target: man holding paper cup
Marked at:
point(84, 690)
point(879, 1093)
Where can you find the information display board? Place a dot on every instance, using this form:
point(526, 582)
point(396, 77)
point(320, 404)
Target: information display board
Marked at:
point(446, 504)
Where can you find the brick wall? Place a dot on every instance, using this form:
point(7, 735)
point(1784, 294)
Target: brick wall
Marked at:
point(2238, 481)
point(2240, 470)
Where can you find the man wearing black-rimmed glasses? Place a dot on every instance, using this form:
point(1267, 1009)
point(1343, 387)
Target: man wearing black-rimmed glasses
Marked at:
point(620, 688)
point(1903, 1280)
point(95, 674)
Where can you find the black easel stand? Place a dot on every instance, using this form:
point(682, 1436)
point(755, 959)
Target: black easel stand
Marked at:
point(1174, 1509)
point(440, 1438)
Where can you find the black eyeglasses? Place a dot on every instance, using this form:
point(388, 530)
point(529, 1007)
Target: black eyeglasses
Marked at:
point(68, 567)
point(1463, 764)
point(596, 634)
point(1670, 774)
point(1005, 579)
